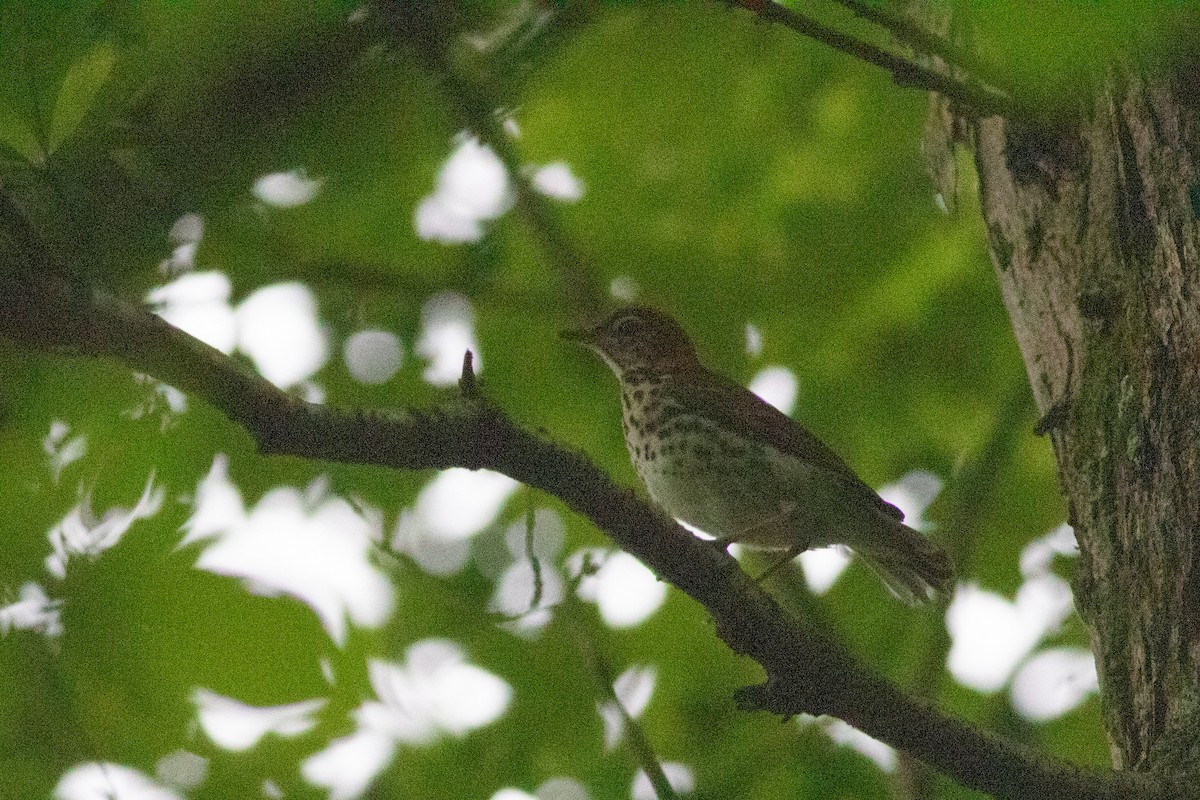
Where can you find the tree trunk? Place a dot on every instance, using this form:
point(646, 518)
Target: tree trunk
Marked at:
point(1093, 234)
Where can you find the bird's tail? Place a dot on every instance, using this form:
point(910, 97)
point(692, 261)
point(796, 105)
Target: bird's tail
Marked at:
point(912, 567)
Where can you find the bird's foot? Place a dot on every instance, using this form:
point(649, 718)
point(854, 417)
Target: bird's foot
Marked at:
point(787, 556)
point(722, 542)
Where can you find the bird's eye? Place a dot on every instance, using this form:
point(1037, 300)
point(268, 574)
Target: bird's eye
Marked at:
point(630, 326)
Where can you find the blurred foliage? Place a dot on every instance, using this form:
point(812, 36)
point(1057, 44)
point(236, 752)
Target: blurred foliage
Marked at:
point(1057, 50)
point(734, 172)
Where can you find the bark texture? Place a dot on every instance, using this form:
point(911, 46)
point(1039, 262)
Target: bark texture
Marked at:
point(1093, 234)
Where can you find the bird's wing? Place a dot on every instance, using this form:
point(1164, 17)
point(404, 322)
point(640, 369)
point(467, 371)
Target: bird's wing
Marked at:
point(737, 408)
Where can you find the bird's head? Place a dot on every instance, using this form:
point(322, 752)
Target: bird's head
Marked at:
point(639, 338)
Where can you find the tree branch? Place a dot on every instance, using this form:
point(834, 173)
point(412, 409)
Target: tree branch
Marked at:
point(925, 41)
point(639, 745)
point(421, 29)
point(983, 100)
point(959, 510)
point(806, 671)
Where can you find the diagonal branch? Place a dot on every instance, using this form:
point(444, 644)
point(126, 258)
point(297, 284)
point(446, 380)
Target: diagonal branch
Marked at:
point(806, 671)
point(925, 41)
point(968, 493)
point(983, 100)
point(602, 677)
point(421, 29)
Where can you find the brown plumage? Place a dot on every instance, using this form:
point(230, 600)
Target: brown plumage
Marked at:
point(718, 457)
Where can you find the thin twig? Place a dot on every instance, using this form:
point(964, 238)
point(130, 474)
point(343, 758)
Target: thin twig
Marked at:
point(983, 100)
point(924, 41)
point(422, 30)
point(535, 563)
point(968, 493)
point(467, 384)
point(603, 679)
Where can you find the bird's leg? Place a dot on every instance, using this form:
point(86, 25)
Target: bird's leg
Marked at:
point(721, 543)
point(785, 510)
point(792, 551)
point(787, 556)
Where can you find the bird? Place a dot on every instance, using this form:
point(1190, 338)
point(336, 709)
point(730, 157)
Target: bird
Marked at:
point(721, 459)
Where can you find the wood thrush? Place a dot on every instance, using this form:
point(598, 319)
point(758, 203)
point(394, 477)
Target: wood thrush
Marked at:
point(718, 457)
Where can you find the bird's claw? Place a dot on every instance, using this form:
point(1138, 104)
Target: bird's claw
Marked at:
point(721, 543)
point(786, 558)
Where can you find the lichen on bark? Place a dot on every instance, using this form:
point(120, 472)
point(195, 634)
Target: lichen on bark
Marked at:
point(1093, 235)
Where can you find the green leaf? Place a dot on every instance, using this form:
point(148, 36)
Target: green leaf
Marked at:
point(16, 134)
point(78, 92)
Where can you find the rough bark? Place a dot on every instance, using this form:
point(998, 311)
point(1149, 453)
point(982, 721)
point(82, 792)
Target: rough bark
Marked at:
point(1093, 234)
